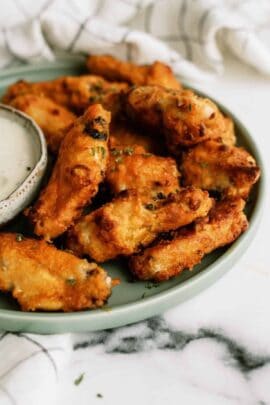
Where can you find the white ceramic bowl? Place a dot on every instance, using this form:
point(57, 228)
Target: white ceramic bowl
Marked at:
point(24, 194)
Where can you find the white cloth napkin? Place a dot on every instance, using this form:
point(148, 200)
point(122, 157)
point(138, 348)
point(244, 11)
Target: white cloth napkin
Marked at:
point(189, 35)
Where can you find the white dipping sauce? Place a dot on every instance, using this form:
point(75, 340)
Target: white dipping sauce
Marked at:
point(17, 156)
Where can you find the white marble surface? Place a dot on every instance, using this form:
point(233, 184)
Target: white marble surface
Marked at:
point(213, 349)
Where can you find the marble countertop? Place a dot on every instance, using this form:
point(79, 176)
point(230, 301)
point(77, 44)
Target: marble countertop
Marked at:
point(213, 349)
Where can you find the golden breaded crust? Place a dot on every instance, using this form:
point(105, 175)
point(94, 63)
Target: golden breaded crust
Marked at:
point(142, 171)
point(130, 221)
point(227, 169)
point(79, 169)
point(75, 93)
point(52, 118)
point(187, 247)
point(185, 118)
point(112, 68)
point(228, 136)
point(122, 135)
point(41, 277)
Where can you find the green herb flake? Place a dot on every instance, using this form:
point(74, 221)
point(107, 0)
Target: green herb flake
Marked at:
point(203, 165)
point(98, 150)
point(128, 151)
point(150, 207)
point(71, 281)
point(113, 88)
point(28, 168)
point(143, 295)
point(151, 284)
point(116, 152)
point(19, 237)
point(119, 159)
point(93, 99)
point(99, 395)
point(92, 151)
point(96, 87)
point(103, 152)
point(79, 379)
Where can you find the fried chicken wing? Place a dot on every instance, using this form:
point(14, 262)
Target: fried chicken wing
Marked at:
point(130, 221)
point(80, 167)
point(114, 69)
point(227, 169)
point(41, 277)
point(123, 135)
point(129, 168)
point(185, 118)
point(52, 118)
point(73, 92)
point(187, 248)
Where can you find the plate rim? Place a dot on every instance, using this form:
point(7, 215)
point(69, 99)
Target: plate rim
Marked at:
point(103, 319)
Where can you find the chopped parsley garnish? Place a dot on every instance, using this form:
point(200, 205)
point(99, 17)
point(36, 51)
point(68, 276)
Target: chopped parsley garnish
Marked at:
point(93, 99)
point(98, 150)
point(99, 395)
point(151, 284)
point(19, 237)
point(79, 379)
point(28, 168)
point(119, 159)
point(203, 165)
point(150, 207)
point(71, 281)
point(103, 151)
point(96, 87)
point(93, 151)
point(116, 152)
point(128, 151)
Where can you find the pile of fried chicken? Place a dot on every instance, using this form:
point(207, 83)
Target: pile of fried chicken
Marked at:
point(144, 169)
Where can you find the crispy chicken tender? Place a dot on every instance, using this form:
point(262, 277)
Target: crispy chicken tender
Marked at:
point(114, 69)
point(185, 118)
point(122, 135)
point(228, 136)
point(168, 258)
point(73, 92)
point(227, 169)
point(143, 171)
point(52, 118)
point(130, 221)
point(41, 277)
point(80, 167)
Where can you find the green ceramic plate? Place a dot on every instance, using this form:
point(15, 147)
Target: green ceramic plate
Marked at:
point(130, 301)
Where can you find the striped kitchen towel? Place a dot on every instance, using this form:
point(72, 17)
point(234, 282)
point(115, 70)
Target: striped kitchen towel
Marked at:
point(189, 35)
